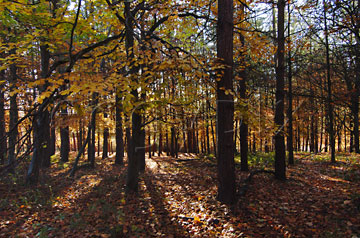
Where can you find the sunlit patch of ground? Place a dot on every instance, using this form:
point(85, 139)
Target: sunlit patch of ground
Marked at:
point(177, 198)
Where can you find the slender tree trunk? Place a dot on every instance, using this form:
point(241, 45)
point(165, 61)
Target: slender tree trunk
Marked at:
point(13, 128)
point(244, 123)
point(53, 140)
point(149, 142)
point(64, 137)
point(119, 159)
point(254, 143)
point(172, 144)
point(128, 140)
point(330, 109)
point(225, 105)
point(80, 140)
point(207, 132)
point(75, 148)
point(167, 142)
point(290, 142)
point(160, 141)
point(213, 136)
point(141, 148)
point(312, 133)
point(106, 140)
point(91, 143)
point(3, 139)
point(280, 167)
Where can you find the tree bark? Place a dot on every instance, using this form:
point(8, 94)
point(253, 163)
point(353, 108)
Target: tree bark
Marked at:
point(243, 123)
point(330, 114)
point(225, 105)
point(106, 140)
point(64, 137)
point(290, 136)
point(3, 138)
point(13, 128)
point(91, 143)
point(119, 159)
point(280, 167)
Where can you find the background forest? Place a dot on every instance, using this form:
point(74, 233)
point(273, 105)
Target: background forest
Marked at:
point(179, 118)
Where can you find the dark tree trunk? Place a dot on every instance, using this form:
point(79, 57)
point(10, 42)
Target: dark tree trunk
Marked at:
point(136, 140)
point(280, 167)
point(355, 115)
point(128, 140)
point(339, 139)
point(75, 148)
point(80, 139)
point(316, 133)
point(243, 123)
point(65, 144)
point(213, 136)
point(254, 143)
point(141, 148)
point(106, 140)
point(225, 105)
point(52, 140)
point(167, 142)
point(290, 142)
point(326, 143)
point(207, 134)
point(149, 143)
point(172, 144)
point(64, 137)
point(91, 143)
point(160, 141)
point(13, 128)
point(41, 127)
point(132, 179)
point(3, 138)
point(312, 133)
point(330, 114)
point(105, 143)
point(119, 159)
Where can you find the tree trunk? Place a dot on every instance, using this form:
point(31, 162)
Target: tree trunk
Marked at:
point(213, 136)
point(13, 128)
point(64, 137)
point(330, 114)
point(3, 141)
point(280, 167)
point(225, 105)
point(91, 143)
point(141, 148)
point(106, 140)
point(149, 142)
point(290, 142)
point(244, 123)
point(52, 148)
point(172, 144)
point(160, 141)
point(119, 159)
point(135, 142)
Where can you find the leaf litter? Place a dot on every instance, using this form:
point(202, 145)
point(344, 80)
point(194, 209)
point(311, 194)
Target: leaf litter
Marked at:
point(177, 198)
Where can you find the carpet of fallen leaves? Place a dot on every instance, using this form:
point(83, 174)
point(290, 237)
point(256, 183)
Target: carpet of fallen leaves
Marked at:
point(177, 198)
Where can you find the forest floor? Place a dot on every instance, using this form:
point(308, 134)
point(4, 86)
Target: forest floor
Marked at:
point(177, 198)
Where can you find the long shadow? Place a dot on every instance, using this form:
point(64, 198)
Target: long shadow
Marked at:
point(170, 226)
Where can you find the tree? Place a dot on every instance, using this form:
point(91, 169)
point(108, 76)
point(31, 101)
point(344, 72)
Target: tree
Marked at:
point(118, 130)
point(330, 115)
point(225, 104)
point(290, 96)
point(244, 120)
point(3, 138)
point(280, 168)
